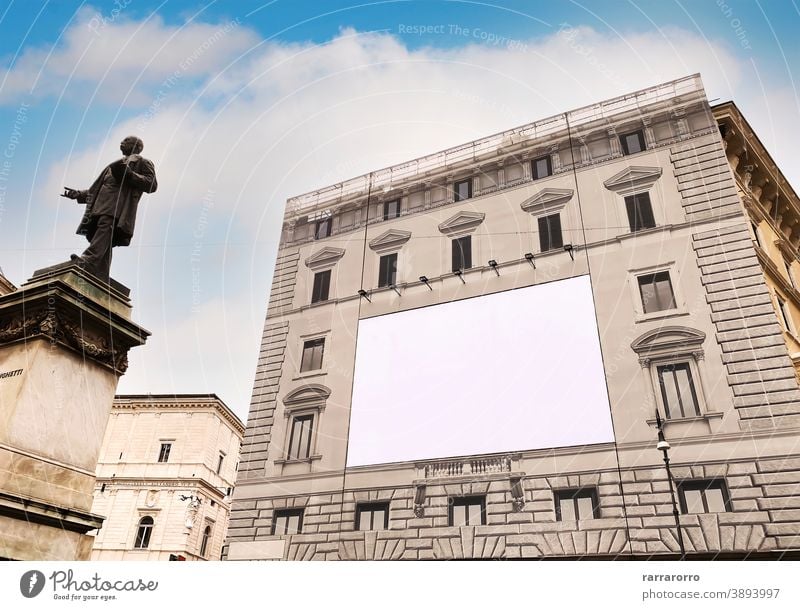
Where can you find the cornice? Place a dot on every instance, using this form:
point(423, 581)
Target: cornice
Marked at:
point(632, 179)
point(462, 223)
point(207, 402)
point(392, 239)
point(327, 257)
point(547, 201)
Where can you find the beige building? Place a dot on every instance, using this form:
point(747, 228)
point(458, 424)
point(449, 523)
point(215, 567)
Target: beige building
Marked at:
point(634, 193)
point(773, 209)
point(6, 287)
point(165, 477)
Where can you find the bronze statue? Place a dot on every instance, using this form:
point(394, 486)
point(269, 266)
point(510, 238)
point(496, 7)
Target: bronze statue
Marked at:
point(111, 204)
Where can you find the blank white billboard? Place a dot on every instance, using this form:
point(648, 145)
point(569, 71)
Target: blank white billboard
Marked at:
point(509, 371)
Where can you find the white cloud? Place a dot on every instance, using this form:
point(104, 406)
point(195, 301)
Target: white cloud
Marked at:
point(287, 118)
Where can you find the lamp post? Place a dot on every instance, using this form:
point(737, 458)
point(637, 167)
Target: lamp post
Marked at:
point(664, 447)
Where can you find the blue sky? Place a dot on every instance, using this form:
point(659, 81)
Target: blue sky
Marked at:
point(242, 104)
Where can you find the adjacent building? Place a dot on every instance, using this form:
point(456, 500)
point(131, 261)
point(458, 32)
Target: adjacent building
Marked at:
point(165, 477)
point(773, 210)
point(6, 287)
point(468, 355)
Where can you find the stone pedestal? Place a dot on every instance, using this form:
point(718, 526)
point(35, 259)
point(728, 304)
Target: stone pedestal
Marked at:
point(64, 340)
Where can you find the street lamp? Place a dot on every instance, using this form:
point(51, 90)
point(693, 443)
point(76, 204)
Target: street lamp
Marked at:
point(664, 447)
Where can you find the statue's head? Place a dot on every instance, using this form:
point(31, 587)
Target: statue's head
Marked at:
point(131, 145)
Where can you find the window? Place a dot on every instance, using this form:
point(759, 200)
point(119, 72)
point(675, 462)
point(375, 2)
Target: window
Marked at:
point(550, 236)
point(387, 274)
point(323, 228)
point(576, 504)
point(640, 212)
point(467, 511)
point(143, 533)
point(788, 266)
point(632, 143)
point(462, 190)
point(677, 390)
point(462, 253)
point(656, 292)
point(312, 355)
point(163, 455)
point(220, 461)
point(756, 236)
point(785, 318)
point(204, 541)
point(709, 496)
point(391, 209)
point(300, 437)
point(322, 285)
point(372, 516)
point(541, 167)
point(289, 521)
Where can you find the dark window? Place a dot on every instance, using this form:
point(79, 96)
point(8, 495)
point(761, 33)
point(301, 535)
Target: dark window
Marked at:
point(391, 209)
point(462, 253)
point(204, 541)
point(656, 292)
point(372, 516)
point(387, 274)
point(323, 228)
point(640, 212)
point(312, 355)
point(143, 533)
point(288, 521)
point(541, 167)
point(575, 504)
point(632, 143)
point(755, 234)
point(163, 455)
point(467, 511)
point(322, 285)
point(220, 462)
point(677, 390)
point(784, 314)
point(550, 232)
point(462, 190)
point(300, 438)
point(789, 273)
point(709, 496)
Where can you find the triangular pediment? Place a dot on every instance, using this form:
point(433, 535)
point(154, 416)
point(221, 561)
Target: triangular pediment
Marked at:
point(633, 178)
point(668, 339)
point(391, 240)
point(327, 257)
point(547, 200)
point(312, 392)
point(463, 222)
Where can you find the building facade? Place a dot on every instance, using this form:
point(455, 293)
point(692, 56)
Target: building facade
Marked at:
point(636, 195)
point(165, 477)
point(773, 210)
point(6, 287)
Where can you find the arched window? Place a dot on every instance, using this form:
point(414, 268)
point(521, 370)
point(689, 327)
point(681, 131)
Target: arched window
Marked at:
point(204, 542)
point(143, 533)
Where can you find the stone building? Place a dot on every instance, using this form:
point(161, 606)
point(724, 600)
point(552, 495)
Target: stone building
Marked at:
point(773, 209)
point(634, 197)
point(6, 287)
point(165, 477)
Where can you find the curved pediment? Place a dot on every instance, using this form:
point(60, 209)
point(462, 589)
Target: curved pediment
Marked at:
point(547, 201)
point(327, 257)
point(632, 179)
point(668, 339)
point(463, 222)
point(393, 239)
point(312, 392)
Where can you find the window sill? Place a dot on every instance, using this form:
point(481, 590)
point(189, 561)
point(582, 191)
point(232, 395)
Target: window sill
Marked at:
point(310, 374)
point(660, 315)
point(681, 420)
point(307, 460)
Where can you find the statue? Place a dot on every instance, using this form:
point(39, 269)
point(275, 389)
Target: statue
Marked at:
point(111, 204)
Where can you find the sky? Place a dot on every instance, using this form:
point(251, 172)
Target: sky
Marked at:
point(244, 104)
